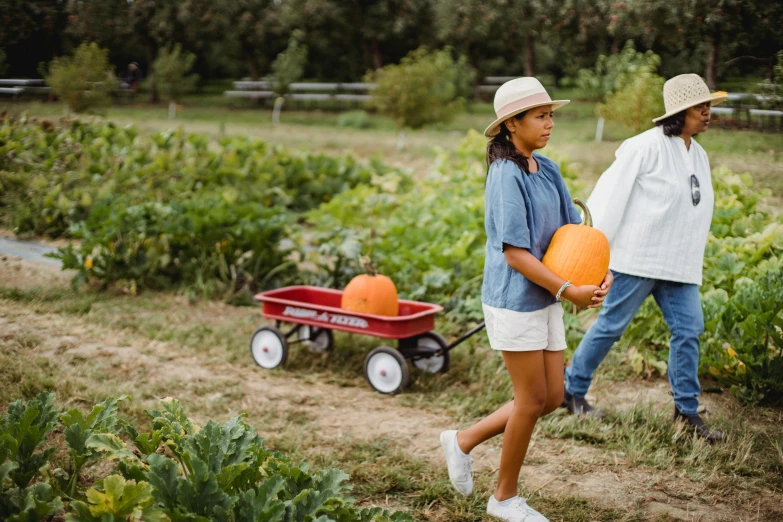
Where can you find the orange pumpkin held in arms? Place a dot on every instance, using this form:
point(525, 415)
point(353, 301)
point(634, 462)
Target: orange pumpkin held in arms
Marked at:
point(579, 253)
point(371, 293)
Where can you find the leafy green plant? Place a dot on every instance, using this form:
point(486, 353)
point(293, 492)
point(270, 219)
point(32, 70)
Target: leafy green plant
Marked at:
point(119, 499)
point(176, 472)
point(744, 340)
point(165, 210)
point(24, 430)
point(79, 432)
point(85, 80)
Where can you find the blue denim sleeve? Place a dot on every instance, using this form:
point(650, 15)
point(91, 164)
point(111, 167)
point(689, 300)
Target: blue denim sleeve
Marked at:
point(505, 187)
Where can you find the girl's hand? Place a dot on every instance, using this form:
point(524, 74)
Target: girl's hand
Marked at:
point(583, 296)
point(600, 294)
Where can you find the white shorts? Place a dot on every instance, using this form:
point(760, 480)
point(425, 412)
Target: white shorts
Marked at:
point(512, 331)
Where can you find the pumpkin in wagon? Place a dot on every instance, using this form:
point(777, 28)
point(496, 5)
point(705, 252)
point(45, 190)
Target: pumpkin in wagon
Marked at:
point(371, 293)
point(579, 253)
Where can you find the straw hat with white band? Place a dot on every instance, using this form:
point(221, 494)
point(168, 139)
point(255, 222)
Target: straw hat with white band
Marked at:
point(519, 95)
point(687, 90)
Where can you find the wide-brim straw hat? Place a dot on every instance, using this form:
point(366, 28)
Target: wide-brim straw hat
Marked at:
point(687, 90)
point(519, 95)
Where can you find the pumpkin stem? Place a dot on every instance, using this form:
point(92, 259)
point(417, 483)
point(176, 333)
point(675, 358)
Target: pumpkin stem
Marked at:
point(367, 264)
point(588, 221)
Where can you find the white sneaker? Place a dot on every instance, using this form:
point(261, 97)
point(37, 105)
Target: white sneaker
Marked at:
point(460, 465)
point(516, 510)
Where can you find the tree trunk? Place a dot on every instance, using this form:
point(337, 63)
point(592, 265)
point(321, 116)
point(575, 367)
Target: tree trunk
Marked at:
point(712, 61)
point(152, 52)
point(530, 55)
point(377, 61)
point(251, 62)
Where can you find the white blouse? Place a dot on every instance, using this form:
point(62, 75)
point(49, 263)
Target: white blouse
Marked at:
point(643, 203)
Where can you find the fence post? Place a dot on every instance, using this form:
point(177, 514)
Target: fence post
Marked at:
point(599, 130)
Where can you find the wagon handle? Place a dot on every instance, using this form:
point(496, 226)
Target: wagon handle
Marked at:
point(466, 336)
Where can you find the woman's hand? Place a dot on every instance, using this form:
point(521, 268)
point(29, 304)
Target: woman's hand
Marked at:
point(583, 296)
point(600, 294)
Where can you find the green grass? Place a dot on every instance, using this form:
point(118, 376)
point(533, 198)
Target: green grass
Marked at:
point(476, 384)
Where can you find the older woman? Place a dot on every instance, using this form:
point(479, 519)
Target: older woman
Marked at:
point(654, 203)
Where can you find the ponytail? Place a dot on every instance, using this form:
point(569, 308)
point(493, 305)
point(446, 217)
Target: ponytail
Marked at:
point(501, 147)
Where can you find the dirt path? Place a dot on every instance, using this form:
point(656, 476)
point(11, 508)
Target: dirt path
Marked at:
point(102, 360)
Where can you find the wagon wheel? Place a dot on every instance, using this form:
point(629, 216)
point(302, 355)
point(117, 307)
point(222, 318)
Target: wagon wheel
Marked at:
point(268, 347)
point(431, 342)
point(317, 340)
point(386, 370)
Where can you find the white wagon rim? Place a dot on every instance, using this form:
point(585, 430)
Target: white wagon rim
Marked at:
point(432, 364)
point(267, 349)
point(318, 344)
point(384, 372)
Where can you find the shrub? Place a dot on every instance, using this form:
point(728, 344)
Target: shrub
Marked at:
point(166, 209)
point(636, 103)
point(425, 87)
point(612, 73)
point(355, 119)
point(289, 65)
point(171, 69)
point(743, 345)
point(85, 80)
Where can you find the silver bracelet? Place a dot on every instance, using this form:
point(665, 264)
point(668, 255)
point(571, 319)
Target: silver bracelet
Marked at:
point(562, 289)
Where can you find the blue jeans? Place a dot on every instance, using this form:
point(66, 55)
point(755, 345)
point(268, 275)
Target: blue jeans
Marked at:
point(681, 307)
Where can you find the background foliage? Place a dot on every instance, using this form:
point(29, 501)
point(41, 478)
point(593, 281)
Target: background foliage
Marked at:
point(498, 37)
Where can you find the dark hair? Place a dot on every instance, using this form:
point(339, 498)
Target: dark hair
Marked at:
point(501, 147)
point(673, 125)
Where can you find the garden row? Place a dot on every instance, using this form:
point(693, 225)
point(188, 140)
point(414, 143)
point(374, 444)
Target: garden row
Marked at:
point(236, 216)
point(176, 471)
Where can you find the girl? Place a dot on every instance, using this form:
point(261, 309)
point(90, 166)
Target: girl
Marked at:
point(526, 201)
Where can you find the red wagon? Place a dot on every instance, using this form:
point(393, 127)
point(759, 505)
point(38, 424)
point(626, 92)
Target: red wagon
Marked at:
point(315, 312)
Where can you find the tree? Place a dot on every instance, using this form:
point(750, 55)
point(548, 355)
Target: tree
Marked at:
point(85, 80)
point(289, 65)
point(171, 70)
point(636, 103)
point(253, 24)
point(422, 89)
point(611, 73)
point(102, 21)
point(31, 31)
point(467, 24)
point(156, 23)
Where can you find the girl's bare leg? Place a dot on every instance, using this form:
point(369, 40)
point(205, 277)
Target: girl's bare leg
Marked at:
point(495, 423)
point(528, 377)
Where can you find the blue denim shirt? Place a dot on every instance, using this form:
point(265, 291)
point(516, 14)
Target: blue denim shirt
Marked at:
point(524, 211)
